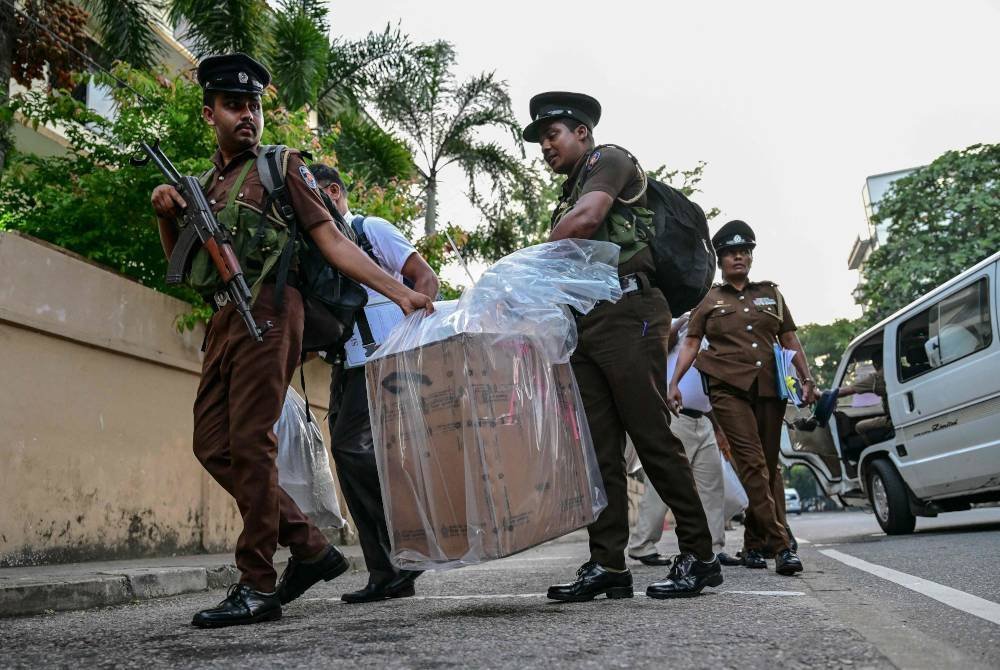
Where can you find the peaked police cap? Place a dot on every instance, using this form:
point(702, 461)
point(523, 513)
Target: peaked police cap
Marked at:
point(734, 234)
point(234, 73)
point(561, 105)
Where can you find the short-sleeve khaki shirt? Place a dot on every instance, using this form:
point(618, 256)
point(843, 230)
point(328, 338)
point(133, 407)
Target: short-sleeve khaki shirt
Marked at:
point(741, 328)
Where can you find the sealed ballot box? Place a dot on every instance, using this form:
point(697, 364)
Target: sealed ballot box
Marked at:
point(480, 436)
point(484, 450)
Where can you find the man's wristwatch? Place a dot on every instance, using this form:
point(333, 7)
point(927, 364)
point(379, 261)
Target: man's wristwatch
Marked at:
point(808, 381)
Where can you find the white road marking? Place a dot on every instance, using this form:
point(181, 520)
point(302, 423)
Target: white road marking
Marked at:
point(960, 600)
point(501, 596)
point(802, 540)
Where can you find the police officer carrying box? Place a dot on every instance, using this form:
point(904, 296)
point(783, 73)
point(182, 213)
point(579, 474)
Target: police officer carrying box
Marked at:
point(620, 360)
point(742, 320)
point(243, 382)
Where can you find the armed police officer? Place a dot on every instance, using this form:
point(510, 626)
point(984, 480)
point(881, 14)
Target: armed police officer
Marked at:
point(620, 360)
point(243, 382)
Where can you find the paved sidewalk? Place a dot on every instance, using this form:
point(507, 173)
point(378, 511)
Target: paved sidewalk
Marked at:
point(75, 586)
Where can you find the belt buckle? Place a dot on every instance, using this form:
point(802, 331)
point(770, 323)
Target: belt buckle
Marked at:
point(221, 299)
point(629, 284)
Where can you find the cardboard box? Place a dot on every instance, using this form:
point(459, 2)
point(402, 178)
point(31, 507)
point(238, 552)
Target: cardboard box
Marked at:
point(483, 450)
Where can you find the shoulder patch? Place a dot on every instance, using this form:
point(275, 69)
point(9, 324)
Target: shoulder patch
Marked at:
point(307, 177)
point(592, 161)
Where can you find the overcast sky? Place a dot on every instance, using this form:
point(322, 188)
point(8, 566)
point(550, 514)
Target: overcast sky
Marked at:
point(792, 104)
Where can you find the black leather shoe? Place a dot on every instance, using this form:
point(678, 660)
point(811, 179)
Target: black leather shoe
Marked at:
point(400, 586)
point(299, 576)
point(787, 563)
point(592, 580)
point(754, 559)
point(242, 605)
point(687, 578)
point(652, 559)
point(726, 559)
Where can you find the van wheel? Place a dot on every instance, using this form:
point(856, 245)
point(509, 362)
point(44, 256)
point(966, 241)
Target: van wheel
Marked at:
point(889, 499)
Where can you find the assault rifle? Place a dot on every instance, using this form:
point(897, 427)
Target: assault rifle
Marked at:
point(202, 230)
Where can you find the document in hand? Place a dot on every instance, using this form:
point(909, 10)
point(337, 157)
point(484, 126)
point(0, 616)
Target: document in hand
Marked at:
point(788, 382)
point(481, 440)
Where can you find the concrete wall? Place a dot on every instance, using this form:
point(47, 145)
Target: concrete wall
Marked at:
point(95, 416)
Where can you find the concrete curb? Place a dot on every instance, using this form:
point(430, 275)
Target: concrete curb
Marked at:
point(104, 589)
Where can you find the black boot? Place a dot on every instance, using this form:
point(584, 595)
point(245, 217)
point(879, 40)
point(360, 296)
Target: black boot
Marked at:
point(242, 605)
point(299, 576)
point(787, 563)
point(400, 586)
point(592, 580)
point(752, 558)
point(687, 578)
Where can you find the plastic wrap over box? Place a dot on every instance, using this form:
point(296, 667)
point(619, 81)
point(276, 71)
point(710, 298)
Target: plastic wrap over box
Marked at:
point(481, 440)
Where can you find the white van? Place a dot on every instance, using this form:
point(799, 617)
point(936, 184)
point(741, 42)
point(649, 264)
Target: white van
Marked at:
point(938, 450)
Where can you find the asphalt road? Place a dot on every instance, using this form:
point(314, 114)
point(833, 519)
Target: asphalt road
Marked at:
point(495, 615)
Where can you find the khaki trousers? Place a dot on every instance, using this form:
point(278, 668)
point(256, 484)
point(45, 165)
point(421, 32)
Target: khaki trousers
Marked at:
point(698, 438)
point(753, 426)
point(242, 390)
point(620, 365)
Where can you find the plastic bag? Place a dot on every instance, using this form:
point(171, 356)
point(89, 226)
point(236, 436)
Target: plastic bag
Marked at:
point(481, 440)
point(736, 499)
point(303, 465)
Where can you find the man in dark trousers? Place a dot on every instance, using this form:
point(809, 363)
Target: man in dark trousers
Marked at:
point(243, 382)
point(350, 421)
point(620, 360)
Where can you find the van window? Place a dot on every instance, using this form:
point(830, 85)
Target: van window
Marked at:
point(952, 328)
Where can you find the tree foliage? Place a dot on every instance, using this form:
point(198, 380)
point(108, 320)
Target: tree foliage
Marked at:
point(126, 29)
point(941, 219)
point(223, 26)
point(824, 344)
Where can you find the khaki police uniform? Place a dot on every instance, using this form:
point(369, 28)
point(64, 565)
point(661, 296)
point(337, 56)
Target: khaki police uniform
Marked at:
point(243, 384)
point(739, 368)
point(620, 365)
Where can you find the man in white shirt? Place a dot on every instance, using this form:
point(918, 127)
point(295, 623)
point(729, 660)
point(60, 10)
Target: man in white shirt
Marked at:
point(350, 422)
point(702, 438)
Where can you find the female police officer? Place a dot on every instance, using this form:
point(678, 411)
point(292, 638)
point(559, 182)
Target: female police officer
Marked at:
point(742, 319)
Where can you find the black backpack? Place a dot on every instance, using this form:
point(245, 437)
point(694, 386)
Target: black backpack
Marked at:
point(332, 301)
point(679, 240)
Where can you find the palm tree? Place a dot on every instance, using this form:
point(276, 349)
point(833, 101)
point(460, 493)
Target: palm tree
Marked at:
point(442, 117)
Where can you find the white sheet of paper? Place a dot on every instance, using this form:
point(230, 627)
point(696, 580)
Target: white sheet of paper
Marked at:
point(383, 315)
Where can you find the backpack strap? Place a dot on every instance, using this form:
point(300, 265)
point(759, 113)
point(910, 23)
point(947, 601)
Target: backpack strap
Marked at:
point(358, 226)
point(272, 160)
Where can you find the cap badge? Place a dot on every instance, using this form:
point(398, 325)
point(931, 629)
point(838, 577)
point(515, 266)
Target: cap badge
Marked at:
point(242, 76)
point(736, 239)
